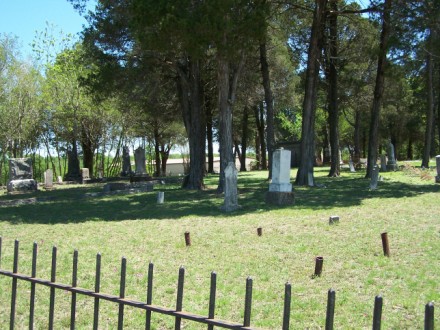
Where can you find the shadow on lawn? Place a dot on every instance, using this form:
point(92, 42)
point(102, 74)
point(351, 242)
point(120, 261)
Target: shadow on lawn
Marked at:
point(73, 205)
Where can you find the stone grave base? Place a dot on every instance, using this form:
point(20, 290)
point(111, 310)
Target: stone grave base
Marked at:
point(118, 186)
point(22, 186)
point(140, 178)
point(392, 167)
point(280, 198)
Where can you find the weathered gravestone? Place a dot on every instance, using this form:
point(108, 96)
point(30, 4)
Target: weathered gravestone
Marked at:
point(280, 189)
point(126, 165)
point(73, 171)
point(391, 164)
point(437, 162)
point(350, 163)
point(139, 158)
point(21, 176)
point(48, 179)
point(231, 193)
point(85, 175)
point(383, 163)
point(374, 177)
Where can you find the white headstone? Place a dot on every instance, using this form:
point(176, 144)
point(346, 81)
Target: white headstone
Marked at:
point(281, 171)
point(48, 178)
point(374, 177)
point(231, 192)
point(160, 197)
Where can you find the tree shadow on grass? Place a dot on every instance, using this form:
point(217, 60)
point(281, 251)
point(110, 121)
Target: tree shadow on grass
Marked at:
point(76, 205)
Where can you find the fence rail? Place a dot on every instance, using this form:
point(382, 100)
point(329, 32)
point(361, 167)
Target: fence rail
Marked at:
point(177, 312)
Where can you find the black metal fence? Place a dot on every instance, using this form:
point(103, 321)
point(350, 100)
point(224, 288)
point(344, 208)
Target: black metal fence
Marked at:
point(147, 305)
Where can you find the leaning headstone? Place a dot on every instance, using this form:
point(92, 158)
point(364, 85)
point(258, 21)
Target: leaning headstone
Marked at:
point(280, 189)
point(350, 163)
point(383, 163)
point(391, 164)
point(139, 158)
point(21, 176)
point(126, 165)
point(85, 175)
point(231, 193)
point(374, 177)
point(437, 162)
point(48, 179)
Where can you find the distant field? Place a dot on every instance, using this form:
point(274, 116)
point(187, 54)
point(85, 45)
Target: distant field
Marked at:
point(406, 205)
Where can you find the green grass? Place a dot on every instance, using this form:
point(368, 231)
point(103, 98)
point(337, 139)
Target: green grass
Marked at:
point(406, 205)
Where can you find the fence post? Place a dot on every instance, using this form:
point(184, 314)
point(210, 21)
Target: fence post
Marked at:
point(74, 284)
point(287, 301)
point(97, 288)
point(14, 285)
point(377, 316)
point(32, 299)
point(429, 316)
point(212, 294)
point(248, 303)
point(0, 252)
point(122, 293)
point(149, 295)
point(329, 320)
point(179, 302)
point(52, 289)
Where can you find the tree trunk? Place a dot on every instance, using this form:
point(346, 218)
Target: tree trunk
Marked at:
point(244, 137)
point(164, 155)
point(378, 89)
point(430, 104)
point(333, 106)
point(209, 138)
point(189, 88)
point(227, 80)
point(305, 171)
point(156, 152)
point(88, 154)
point(268, 98)
point(357, 137)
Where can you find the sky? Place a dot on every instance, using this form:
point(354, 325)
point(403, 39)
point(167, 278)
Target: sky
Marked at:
point(22, 18)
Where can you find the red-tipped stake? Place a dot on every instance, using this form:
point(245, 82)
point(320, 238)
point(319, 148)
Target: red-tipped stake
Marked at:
point(318, 266)
point(385, 244)
point(187, 238)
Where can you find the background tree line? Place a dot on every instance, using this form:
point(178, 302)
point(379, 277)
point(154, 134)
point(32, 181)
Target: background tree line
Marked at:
point(244, 75)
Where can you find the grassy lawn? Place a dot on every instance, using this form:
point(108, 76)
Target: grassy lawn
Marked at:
point(406, 205)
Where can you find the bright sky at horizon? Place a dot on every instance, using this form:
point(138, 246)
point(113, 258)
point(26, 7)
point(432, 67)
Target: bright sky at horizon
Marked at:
point(24, 18)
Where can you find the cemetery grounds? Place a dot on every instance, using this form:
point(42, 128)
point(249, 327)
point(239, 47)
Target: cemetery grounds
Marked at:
point(406, 205)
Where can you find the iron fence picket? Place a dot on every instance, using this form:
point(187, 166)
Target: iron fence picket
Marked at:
point(33, 286)
point(248, 303)
point(74, 284)
point(287, 302)
point(97, 289)
point(429, 316)
point(179, 300)
point(149, 295)
point(52, 289)
point(377, 314)
point(212, 296)
point(329, 320)
point(122, 293)
point(14, 286)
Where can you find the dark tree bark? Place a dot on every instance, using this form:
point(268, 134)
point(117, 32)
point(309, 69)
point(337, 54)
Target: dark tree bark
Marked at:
point(357, 137)
point(227, 80)
point(332, 77)
point(260, 123)
point(156, 151)
point(164, 155)
point(268, 98)
point(189, 88)
point(244, 137)
point(209, 138)
point(305, 171)
point(88, 154)
point(429, 105)
point(378, 89)
point(73, 171)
